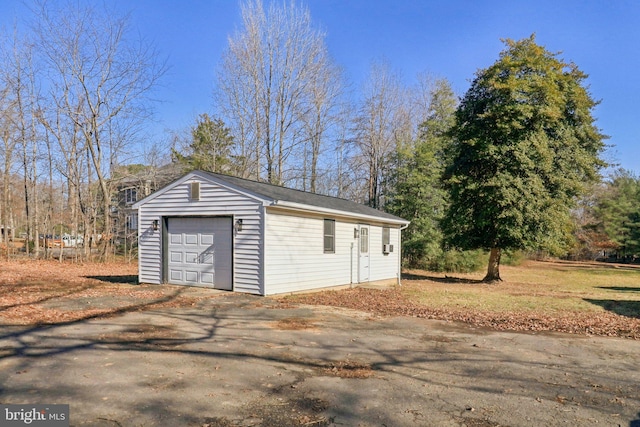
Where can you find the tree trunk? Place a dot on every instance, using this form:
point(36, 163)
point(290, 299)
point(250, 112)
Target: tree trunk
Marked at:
point(493, 271)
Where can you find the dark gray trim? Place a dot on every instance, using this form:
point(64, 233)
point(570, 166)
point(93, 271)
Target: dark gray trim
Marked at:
point(164, 248)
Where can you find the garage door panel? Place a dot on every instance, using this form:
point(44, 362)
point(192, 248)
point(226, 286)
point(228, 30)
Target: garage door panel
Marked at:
point(200, 251)
point(207, 278)
point(207, 258)
point(175, 275)
point(191, 258)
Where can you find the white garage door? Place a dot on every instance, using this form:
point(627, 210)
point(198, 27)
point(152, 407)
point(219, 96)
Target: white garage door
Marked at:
point(199, 252)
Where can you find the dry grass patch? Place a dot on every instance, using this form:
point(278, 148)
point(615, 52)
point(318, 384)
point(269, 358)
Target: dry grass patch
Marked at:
point(349, 369)
point(141, 333)
point(294, 323)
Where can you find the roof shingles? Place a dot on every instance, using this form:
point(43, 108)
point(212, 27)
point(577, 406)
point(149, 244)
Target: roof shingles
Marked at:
point(278, 193)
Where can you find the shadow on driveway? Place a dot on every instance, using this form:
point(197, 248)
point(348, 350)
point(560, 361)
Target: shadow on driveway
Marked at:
point(131, 279)
point(229, 360)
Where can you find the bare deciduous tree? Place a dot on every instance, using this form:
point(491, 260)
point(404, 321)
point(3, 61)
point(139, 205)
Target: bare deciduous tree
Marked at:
point(7, 153)
point(382, 123)
point(269, 79)
point(99, 81)
point(19, 79)
point(320, 118)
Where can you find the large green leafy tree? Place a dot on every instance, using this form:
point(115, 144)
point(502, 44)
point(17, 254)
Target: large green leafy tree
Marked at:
point(525, 144)
point(209, 148)
point(418, 194)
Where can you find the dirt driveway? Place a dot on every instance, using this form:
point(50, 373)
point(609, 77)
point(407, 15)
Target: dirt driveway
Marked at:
point(237, 360)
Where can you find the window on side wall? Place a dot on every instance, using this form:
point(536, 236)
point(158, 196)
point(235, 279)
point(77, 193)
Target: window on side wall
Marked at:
point(386, 241)
point(130, 196)
point(132, 221)
point(329, 236)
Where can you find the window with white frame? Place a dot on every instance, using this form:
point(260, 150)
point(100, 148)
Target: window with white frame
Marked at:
point(130, 195)
point(386, 240)
point(364, 240)
point(132, 221)
point(329, 236)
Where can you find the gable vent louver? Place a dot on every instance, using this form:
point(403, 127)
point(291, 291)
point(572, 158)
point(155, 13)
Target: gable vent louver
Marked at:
point(195, 191)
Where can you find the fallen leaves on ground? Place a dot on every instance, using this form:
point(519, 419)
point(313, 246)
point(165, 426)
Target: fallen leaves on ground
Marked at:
point(29, 288)
point(392, 302)
point(294, 323)
point(349, 369)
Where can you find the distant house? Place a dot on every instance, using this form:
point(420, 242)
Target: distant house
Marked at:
point(6, 232)
point(224, 232)
point(130, 184)
point(127, 192)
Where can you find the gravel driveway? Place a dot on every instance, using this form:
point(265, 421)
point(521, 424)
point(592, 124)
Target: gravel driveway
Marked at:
point(237, 360)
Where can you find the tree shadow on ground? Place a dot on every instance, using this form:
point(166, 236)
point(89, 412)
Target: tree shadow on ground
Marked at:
point(591, 265)
point(619, 288)
point(217, 336)
point(41, 299)
point(445, 279)
point(69, 307)
point(620, 307)
point(130, 279)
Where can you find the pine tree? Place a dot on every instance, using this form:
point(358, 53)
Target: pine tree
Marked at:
point(618, 212)
point(210, 147)
point(418, 193)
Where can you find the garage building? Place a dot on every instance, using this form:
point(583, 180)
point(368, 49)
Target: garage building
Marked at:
point(225, 232)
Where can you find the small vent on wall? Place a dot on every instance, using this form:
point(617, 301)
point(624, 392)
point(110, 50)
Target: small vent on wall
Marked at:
point(195, 191)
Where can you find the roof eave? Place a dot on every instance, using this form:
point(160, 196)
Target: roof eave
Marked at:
point(299, 207)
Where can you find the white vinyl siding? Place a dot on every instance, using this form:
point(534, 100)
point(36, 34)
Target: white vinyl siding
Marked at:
point(294, 254)
point(215, 200)
point(383, 266)
point(282, 247)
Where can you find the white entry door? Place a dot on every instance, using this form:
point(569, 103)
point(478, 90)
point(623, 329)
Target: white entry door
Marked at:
point(363, 255)
point(200, 252)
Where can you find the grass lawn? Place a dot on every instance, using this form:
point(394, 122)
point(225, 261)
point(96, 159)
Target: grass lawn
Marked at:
point(548, 288)
point(578, 298)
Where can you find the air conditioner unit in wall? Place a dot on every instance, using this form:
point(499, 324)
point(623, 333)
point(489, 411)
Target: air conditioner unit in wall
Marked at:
point(387, 249)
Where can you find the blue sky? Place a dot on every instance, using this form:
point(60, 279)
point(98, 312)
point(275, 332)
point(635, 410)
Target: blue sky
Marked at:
point(450, 39)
